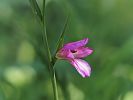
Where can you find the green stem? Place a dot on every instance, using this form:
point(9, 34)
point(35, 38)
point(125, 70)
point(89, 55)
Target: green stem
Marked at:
point(54, 84)
point(51, 69)
point(42, 21)
point(46, 41)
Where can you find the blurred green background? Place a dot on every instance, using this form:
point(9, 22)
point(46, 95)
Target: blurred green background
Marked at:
point(107, 23)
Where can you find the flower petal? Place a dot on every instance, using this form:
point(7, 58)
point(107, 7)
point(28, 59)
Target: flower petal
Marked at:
point(77, 44)
point(82, 52)
point(64, 54)
point(82, 67)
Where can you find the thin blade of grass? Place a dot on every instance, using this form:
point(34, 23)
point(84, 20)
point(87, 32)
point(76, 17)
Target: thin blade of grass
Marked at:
point(43, 10)
point(60, 40)
point(36, 8)
point(41, 16)
point(44, 33)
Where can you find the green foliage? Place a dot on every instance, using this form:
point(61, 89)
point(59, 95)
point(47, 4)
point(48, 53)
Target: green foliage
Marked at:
point(60, 41)
point(108, 25)
point(36, 9)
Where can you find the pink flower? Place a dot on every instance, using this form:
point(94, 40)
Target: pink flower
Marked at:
point(72, 52)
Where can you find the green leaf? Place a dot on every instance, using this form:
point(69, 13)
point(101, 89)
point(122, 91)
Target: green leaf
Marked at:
point(60, 40)
point(36, 8)
point(43, 10)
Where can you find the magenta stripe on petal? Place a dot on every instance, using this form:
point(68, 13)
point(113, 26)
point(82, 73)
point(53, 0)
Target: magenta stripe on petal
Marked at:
point(82, 67)
point(77, 44)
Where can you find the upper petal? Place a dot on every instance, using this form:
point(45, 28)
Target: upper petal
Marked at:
point(82, 67)
point(77, 44)
point(82, 52)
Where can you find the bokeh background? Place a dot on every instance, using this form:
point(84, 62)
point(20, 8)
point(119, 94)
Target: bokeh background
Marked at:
point(107, 23)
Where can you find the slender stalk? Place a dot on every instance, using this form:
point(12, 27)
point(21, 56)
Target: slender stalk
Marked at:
point(42, 21)
point(51, 69)
point(46, 41)
point(54, 84)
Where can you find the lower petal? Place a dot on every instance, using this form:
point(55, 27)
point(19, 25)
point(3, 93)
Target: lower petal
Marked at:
point(82, 67)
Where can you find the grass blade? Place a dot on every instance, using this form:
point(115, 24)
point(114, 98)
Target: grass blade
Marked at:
point(60, 40)
point(43, 11)
point(36, 8)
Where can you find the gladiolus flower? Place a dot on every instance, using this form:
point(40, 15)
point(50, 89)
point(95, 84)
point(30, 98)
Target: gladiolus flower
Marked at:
point(73, 52)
